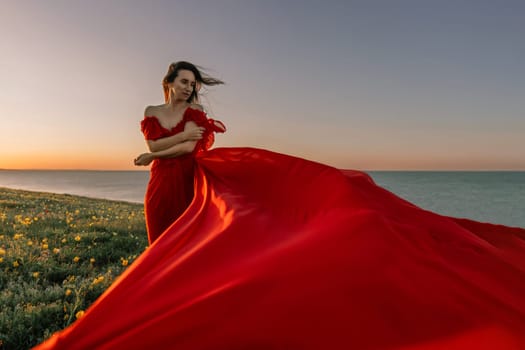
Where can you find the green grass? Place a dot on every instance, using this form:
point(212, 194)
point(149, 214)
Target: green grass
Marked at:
point(58, 253)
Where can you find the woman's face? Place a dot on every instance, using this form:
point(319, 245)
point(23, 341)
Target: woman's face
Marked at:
point(183, 85)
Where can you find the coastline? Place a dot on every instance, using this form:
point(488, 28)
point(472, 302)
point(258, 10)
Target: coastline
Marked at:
point(127, 186)
point(87, 197)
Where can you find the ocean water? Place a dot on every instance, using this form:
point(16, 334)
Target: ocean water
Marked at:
point(496, 197)
point(129, 186)
point(488, 196)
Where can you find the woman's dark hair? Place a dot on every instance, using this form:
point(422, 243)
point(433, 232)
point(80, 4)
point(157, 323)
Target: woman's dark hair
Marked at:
point(200, 79)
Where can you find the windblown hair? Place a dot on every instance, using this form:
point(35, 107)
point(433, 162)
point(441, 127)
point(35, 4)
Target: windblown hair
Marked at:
point(200, 79)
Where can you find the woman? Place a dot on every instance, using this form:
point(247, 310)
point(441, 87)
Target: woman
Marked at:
point(173, 131)
point(278, 252)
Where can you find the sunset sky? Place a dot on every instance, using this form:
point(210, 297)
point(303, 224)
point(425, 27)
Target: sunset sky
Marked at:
point(371, 85)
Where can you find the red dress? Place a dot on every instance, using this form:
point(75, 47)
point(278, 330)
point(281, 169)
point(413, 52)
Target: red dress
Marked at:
point(170, 188)
point(278, 252)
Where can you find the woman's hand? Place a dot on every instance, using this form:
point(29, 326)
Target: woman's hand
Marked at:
point(193, 133)
point(144, 159)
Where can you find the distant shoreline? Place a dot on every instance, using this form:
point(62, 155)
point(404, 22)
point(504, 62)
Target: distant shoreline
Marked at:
point(128, 186)
point(35, 192)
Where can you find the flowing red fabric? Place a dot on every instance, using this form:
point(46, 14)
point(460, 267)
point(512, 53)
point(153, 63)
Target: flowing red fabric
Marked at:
point(278, 252)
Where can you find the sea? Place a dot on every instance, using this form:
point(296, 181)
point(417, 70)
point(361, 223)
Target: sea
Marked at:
point(488, 196)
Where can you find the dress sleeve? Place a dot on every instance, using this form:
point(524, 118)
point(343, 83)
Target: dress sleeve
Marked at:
point(149, 128)
point(211, 125)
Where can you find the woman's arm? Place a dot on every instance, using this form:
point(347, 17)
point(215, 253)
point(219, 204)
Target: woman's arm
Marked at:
point(171, 152)
point(167, 142)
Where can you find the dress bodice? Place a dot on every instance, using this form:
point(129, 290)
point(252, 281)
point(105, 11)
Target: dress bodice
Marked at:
point(153, 130)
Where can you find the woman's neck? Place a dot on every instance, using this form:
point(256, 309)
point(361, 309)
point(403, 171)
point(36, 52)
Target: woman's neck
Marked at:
point(177, 105)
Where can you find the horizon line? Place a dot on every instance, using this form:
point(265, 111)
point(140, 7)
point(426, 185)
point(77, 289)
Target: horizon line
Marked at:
point(345, 169)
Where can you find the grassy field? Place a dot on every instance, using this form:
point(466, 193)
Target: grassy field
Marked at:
point(58, 253)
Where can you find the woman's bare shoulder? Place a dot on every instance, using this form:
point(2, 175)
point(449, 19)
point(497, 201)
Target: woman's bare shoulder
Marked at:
point(197, 106)
point(152, 110)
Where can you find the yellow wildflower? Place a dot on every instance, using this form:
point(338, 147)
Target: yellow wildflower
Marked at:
point(18, 236)
point(36, 274)
point(92, 260)
point(1, 259)
point(124, 262)
point(64, 240)
point(35, 218)
point(78, 238)
point(79, 314)
point(76, 259)
point(98, 280)
point(77, 211)
point(45, 246)
point(56, 250)
point(16, 264)
point(68, 292)
point(2, 251)
point(30, 243)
